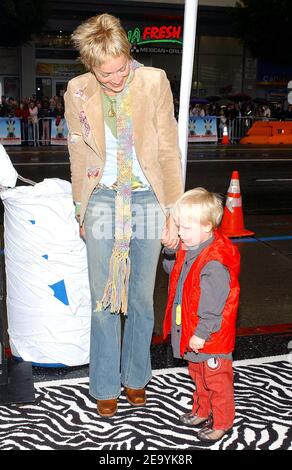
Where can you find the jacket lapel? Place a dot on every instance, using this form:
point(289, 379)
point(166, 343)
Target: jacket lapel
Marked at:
point(94, 112)
point(138, 114)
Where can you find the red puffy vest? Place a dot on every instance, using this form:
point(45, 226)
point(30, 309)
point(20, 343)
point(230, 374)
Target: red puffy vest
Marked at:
point(223, 341)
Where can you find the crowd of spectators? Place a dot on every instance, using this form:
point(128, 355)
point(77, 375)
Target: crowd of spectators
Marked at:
point(35, 115)
point(32, 108)
point(232, 111)
point(239, 117)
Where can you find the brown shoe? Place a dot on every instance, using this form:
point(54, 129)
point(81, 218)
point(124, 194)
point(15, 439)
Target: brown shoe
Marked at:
point(107, 408)
point(136, 397)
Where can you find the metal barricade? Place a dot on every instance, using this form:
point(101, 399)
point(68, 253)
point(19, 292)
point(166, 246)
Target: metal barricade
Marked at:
point(40, 133)
point(238, 127)
point(29, 132)
point(52, 131)
point(37, 133)
point(44, 130)
point(34, 127)
point(33, 133)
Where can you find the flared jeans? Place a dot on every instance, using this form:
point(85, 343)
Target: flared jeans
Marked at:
point(116, 361)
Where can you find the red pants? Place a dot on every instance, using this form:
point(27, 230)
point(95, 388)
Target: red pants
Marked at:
point(214, 391)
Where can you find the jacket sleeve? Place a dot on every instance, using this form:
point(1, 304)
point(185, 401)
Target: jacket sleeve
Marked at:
point(76, 145)
point(168, 153)
point(215, 288)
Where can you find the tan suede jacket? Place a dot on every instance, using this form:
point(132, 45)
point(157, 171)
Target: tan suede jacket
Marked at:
point(154, 131)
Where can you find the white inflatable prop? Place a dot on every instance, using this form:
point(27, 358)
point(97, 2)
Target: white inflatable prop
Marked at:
point(48, 298)
point(8, 174)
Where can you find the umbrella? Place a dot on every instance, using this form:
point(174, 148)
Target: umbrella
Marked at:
point(213, 99)
point(224, 102)
point(239, 97)
point(198, 100)
point(260, 101)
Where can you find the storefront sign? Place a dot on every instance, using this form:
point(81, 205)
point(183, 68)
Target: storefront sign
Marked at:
point(59, 132)
point(270, 74)
point(10, 131)
point(155, 34)
point(155, 50)
point(203, 129)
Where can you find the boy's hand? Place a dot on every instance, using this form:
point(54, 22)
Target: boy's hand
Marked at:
point(82, 232)
point(196, 343)
point(170, 237)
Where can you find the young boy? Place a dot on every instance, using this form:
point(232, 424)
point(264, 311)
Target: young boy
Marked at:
point(202, 309)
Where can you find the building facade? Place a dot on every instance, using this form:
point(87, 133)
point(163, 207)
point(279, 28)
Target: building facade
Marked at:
point(155, 29)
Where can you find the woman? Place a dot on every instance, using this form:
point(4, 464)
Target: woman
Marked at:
point(44, 115)
point(23, 113)
point(126, 173)
point(33, 120)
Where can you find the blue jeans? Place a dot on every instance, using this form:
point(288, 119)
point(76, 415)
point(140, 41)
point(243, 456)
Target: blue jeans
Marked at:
point(113, 363)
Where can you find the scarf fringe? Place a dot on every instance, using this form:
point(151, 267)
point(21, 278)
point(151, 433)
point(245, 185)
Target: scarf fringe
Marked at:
point(115, 293)
point(117, 288)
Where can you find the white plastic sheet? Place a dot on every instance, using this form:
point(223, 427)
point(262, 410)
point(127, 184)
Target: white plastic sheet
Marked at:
point(48, 298)
point(8, 174)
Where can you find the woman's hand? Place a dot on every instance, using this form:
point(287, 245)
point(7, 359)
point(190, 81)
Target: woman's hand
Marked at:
point(170, 237)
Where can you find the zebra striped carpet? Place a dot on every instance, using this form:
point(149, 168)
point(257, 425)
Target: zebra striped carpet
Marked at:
point(64, 416)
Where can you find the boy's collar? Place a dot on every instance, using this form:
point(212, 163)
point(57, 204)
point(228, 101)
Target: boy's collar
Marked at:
point(200, 245)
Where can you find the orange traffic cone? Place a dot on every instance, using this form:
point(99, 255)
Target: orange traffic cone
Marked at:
point(225, 139)
point(232, 223)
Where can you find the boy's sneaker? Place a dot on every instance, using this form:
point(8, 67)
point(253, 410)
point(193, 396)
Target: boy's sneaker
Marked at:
point(192, 420)
point(211, 435)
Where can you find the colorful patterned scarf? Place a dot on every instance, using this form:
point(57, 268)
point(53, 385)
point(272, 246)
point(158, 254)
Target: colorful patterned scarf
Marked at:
point(115, 293)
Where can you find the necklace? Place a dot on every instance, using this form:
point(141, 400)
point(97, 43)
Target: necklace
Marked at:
point(111, 111)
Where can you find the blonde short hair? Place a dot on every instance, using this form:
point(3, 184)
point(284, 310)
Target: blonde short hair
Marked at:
point(99, 38)
point(209, 205)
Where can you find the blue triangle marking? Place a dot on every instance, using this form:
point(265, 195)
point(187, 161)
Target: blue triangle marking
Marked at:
point(60, 292)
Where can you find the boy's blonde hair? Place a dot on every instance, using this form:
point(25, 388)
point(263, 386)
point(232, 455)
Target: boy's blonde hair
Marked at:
point(99, 38)
point(208, 205)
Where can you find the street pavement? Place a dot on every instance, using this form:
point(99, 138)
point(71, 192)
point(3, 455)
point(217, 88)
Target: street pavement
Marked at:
point(265, 173)
point(266, 183)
